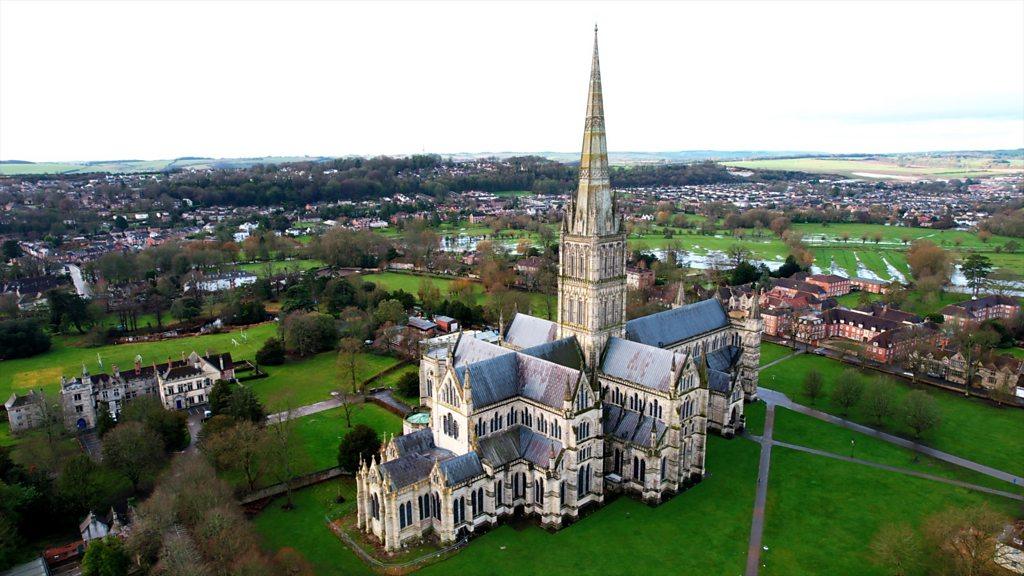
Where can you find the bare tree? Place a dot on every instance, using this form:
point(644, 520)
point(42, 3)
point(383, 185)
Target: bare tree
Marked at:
point(350, 365)
point(965, 540)
point(897, 549)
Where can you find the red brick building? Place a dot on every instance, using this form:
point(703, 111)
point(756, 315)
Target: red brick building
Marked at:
point(833, 284)
point(981, 309)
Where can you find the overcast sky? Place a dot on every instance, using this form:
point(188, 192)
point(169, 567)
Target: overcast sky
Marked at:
point(87, 80)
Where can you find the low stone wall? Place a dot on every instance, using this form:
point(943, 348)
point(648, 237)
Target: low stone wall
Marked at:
point(296, 483)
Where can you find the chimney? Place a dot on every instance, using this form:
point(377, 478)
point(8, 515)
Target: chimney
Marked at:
point(116, 370)
point(138, 366)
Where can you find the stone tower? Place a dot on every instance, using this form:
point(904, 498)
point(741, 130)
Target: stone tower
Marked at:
point(592, 258)
point(749, 325)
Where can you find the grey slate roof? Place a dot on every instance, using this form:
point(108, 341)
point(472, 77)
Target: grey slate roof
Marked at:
point(461, 468)
point(565, 351)
point(470, 350)
point(491, 380)
point(719, 381)
point(506, 376)
point(671, 326)
point(724, 359)
point(418, 442)
point(406, 470)
point(525, 331)
point(517, 442)
point(639, 363)
point(630, 426)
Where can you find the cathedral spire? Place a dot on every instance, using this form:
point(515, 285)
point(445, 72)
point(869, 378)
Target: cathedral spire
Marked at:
point(592, 212)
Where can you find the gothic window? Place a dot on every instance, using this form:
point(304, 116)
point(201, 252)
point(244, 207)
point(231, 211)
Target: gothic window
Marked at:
point(518, 486)
point(639, 470)
point(481, 427)
point(499, 494)
point(557, 429)
point(584, 430)
point(664, 467)
point(436, 507)
point(538, 492)
point(459, 511)
point(617, 462)
point(405, 514)
point(582, 399)
point(375, 507)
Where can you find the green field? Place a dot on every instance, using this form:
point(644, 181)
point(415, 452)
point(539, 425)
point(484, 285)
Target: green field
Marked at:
point(266, 269)
point(44, 371)
point(771, 352)
point(410, 283)
point(301, 382)
point(884, 168)
point(803, 430)
point(971, 428)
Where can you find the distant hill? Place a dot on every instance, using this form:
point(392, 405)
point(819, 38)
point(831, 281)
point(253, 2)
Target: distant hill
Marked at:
point(957, 163)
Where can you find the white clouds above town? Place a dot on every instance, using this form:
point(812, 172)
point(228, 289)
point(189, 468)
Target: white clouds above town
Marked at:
point(89, 80)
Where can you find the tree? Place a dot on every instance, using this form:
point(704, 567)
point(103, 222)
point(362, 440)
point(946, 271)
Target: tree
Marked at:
point(879, 402)
point(187, 308)
point(390, 311)
point(246, 406)
point(170, 425)
point(813, 385)
point(280, 455)
point(68, 310)
point(848, 390)
point(271, 353)
point(965, 540)
point(409, 385)
point(920, 413)
point(133, 450)
point(220, 397)
point(105, 557)
point(359, 443)
point(238, 448)
point(927, 260)
point(22, 338)
point(738, 253)
point(307, 333)
point(350, 365)
point(896, 548)
point(11, 250)
point(976, 268)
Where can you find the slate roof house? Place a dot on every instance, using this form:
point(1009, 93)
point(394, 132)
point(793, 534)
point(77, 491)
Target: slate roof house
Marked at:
point(554, 415)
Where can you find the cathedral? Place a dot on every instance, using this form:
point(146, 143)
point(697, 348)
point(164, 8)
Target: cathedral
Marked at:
point(543, 419)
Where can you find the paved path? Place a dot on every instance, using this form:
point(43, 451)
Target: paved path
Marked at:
point(774, 398)
point(91, 444)
point(906, 471)
point(757, 525)
point(303, 411)
point(388, 398)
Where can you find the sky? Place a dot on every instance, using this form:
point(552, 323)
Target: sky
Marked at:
point(154, 80)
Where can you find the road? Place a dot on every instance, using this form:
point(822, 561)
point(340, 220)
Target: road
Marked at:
point(774, 398)
point(303, 411)
point(757, 525)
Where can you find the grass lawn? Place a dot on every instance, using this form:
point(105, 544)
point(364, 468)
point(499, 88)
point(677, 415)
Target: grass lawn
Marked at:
point(804, 430)
point(266, 269)
point(300, 382)
point(755, 414)
point(44, 371)
point(319, 434)
point(822, 513)
point(305, 528)
point(673, 538)
point(6, 438)
point(771, 352)
point(392, 281)
point(970, 428)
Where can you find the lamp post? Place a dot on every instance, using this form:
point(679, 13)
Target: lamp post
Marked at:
point(853, 443)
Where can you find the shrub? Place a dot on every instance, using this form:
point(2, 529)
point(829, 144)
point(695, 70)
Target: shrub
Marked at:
point(271, 353)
